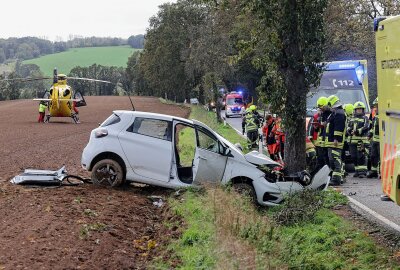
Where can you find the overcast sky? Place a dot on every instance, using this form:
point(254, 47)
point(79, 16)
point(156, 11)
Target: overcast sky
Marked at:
point(49, 18)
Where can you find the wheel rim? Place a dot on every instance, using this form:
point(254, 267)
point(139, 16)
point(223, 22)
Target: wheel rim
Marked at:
point(106, 175)
point(244, 190)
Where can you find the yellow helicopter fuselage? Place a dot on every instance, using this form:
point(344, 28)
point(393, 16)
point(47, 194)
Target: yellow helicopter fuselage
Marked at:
point(61, 103)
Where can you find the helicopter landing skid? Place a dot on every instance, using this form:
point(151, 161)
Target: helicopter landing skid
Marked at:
point(75, 117)
point(47, 118)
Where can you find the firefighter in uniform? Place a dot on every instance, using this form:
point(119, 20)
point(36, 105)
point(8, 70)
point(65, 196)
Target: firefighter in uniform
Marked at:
point(334, 139)
point(349, 110)
point(318, 125)
point(358, 129)
point(250, 124)
point(374, 140)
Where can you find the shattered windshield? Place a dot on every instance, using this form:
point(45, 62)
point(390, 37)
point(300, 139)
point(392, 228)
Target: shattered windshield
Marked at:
point(345, 95)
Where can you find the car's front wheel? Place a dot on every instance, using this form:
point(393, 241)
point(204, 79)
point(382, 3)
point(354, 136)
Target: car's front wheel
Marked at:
point(108, 172)
point(246, 190)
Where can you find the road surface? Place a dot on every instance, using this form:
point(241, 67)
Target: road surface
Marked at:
point(365, 191)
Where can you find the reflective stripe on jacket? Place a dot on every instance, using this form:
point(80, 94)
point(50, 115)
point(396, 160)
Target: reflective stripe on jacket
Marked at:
point(42, 108)
point(360, 126)
point(250, 122)
point(374, 133)
point(336, 128)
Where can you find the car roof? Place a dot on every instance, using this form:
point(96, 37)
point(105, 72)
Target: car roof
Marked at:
point(165, 117)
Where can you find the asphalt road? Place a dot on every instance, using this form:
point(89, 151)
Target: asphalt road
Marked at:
point(363, 190)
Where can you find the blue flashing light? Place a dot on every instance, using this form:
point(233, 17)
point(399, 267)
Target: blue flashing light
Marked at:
point(241, 92)
point(342, 65)
point(360, 74)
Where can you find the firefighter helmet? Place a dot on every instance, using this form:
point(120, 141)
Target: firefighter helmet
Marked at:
point(253, 107)
point(322, 102)
point(333, 101)
point(349, 109)
point(359, 105)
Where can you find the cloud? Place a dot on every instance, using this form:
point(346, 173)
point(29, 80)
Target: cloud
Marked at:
point(52, 19)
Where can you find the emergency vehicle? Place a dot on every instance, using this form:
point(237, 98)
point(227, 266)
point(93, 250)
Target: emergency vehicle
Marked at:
point(234, 104)
point(346, 79)
point(388, 76)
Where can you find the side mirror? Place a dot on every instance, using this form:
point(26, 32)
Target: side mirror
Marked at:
point(227, 152)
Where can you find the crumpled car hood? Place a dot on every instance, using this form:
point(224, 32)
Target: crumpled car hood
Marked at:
point(257, 158)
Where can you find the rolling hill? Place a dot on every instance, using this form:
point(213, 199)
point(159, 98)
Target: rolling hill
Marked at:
point(65, 61)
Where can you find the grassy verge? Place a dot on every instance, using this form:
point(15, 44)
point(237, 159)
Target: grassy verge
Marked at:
point(223, 230)
point(210, 119)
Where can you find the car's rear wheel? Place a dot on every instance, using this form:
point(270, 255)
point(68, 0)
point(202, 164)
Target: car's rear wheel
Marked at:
point(108, 172)
point(246, 190)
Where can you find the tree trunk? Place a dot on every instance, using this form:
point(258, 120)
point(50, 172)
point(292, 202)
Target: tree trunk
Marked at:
point(295, 128)
point(217, 101)
point(295, 105)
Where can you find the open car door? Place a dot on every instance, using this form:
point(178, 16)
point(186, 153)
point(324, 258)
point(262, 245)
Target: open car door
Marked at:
point(80, 99)
point(210, 160)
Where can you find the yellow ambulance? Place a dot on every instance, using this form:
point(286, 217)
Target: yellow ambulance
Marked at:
point(388, 75)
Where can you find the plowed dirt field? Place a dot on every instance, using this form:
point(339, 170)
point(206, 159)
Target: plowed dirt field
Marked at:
point(83, 227)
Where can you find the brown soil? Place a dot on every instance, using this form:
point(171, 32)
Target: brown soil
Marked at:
point(83, 227)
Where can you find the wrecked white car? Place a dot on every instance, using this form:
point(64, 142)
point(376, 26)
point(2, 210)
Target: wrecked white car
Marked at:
point(172, 152)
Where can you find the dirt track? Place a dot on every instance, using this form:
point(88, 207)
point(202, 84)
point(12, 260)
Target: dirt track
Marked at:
point(70, 227)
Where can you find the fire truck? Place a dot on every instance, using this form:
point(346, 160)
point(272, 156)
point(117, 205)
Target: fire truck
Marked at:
point(388, 75)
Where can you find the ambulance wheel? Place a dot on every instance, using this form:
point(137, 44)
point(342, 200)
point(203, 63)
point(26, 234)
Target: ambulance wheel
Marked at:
point(108, 172)
point(246, 190)
point(227, 116)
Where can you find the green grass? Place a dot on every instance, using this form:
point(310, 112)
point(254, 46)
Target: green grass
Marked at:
point(326, 241)
point(65, 61)
point(195, 248)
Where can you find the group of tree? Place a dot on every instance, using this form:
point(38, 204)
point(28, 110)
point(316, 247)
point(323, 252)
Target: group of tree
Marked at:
point(136, 42)
point(114, 75)
point(31, 47)
point(188, 53)
point(26, 48)
point(270, 47)
point(17, 89)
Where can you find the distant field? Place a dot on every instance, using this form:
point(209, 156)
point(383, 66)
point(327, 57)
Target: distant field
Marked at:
point(65, 61)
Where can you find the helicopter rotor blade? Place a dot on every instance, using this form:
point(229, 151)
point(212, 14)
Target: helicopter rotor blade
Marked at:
point(25, 79)
point(90, 80)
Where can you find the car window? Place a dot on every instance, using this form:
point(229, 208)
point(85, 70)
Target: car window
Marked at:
point(155, 128)
point(208, 142)
point(185, 145)
point(113, 119)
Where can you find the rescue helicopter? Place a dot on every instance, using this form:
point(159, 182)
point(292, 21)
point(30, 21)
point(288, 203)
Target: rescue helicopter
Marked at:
point(61, 99)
